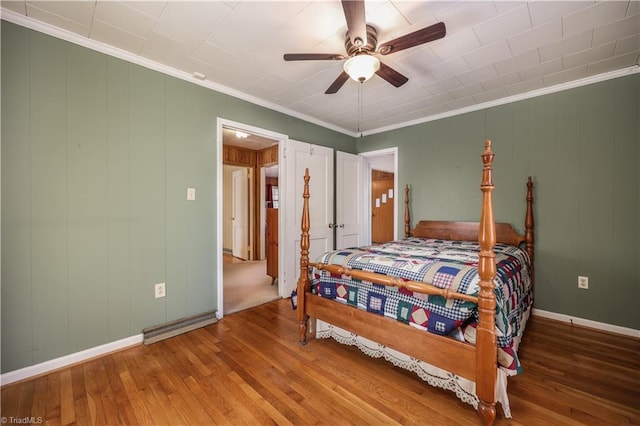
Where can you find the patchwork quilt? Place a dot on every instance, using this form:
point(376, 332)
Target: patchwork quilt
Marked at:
point(444, 264)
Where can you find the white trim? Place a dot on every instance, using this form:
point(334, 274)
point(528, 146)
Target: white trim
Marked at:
point(378, 153)
point(28, 22)
point(515, 98)
point(588, 323)
point(67, 360)
point(219, 225)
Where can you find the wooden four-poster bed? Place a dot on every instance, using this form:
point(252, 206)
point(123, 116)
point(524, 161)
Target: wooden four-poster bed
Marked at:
point(480, 364)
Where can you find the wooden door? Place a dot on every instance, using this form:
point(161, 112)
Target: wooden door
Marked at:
point(382, 194)
point(271, 240)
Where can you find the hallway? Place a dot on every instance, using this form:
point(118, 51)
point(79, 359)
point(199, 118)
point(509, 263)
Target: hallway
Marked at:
point(246, 284)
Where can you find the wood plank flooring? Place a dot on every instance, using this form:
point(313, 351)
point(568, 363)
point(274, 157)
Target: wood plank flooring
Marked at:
point(249, 370)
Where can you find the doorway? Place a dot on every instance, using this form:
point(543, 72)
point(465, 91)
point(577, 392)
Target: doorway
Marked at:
point(383, 189)
point(247, 157)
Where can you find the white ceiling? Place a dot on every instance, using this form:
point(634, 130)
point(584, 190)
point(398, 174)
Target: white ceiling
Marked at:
point(251, 141)
point(493, 50)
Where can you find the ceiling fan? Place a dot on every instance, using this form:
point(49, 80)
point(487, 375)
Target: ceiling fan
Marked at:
point(361, 43)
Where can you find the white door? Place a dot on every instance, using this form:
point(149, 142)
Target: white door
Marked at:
point(351, 219)
point(297, 156)
point(240, 214)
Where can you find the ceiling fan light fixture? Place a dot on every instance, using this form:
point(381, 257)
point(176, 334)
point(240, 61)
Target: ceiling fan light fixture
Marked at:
point(362, 67)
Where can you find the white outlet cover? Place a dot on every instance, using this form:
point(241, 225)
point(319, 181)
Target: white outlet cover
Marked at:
point(160, 290)
point(583, 282)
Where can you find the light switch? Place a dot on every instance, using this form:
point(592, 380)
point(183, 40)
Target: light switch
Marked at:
point(191, 194)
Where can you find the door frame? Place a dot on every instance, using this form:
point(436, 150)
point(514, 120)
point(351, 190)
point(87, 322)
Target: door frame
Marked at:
point(220, 123)
point(368, 190)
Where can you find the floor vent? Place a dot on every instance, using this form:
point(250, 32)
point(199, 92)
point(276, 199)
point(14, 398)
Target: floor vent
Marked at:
point(173, 328)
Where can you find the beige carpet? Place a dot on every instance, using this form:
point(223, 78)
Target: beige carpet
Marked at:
point(246, 284)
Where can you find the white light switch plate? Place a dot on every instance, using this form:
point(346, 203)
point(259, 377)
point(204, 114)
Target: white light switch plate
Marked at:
point(191, 194)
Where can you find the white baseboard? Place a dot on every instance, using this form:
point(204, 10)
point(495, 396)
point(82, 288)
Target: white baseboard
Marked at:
point(64, 361)
point(632, 332)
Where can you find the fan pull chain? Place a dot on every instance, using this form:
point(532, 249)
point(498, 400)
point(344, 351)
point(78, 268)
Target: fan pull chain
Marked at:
point(360, 108)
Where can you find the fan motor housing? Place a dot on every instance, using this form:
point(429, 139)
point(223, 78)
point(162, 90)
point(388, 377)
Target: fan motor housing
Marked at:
point(370, 47)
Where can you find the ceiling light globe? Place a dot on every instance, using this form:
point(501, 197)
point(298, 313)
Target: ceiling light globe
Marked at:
point(361, 67)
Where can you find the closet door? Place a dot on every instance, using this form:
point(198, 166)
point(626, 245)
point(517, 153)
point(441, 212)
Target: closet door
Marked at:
point(296, 157)
point(351, 198)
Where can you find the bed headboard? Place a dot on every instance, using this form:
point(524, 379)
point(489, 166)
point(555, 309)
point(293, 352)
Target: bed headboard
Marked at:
point(468, 231)
point(464, 231)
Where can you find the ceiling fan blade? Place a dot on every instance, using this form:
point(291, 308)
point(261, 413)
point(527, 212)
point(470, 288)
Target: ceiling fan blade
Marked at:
point(433, 32)
point(391, 75)
point(356, 21)
point(313, 57)
point(337, 84)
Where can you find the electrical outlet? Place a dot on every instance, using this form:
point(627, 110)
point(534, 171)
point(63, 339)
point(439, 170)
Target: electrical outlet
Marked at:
point(583, 282)
point(160, 290)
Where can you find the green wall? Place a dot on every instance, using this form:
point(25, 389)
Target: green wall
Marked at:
point(581, 146)
point(97, 154)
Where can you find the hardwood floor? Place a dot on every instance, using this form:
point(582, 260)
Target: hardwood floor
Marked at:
point(249, 370)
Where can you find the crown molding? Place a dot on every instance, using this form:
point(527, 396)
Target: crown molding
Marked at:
point(515, 98)
point(33, 24)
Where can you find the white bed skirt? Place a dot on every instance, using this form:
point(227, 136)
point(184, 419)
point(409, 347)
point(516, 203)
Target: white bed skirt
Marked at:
point(464, 389)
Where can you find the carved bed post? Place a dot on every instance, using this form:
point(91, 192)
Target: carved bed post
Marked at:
point(407, 215)
point(303, 280)
point(528, 224)
point(486, 344)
